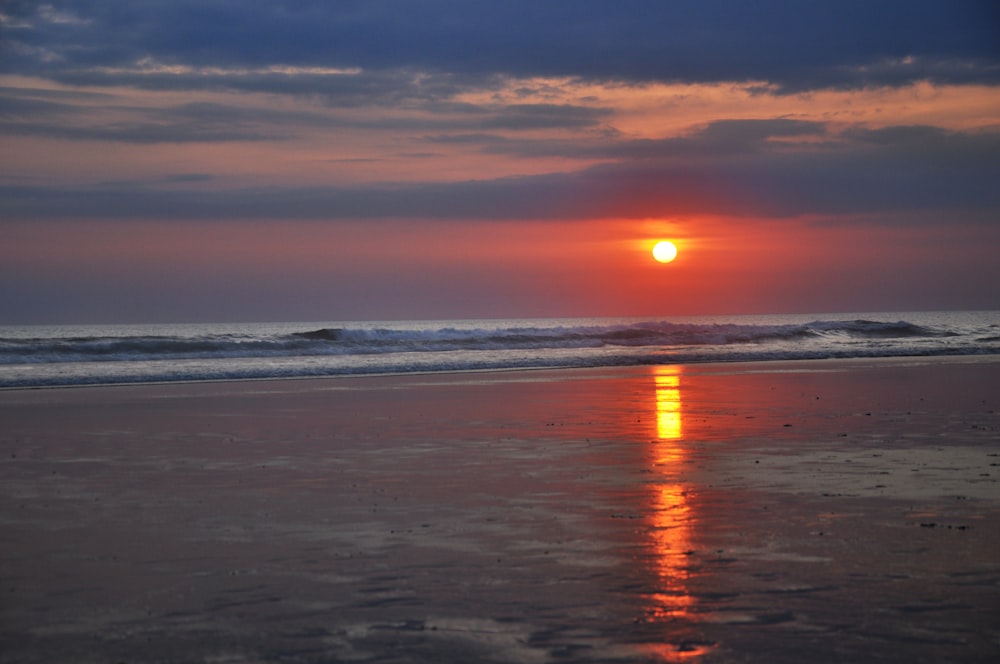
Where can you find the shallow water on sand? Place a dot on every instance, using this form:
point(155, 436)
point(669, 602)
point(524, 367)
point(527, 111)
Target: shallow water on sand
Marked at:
point(821, 512)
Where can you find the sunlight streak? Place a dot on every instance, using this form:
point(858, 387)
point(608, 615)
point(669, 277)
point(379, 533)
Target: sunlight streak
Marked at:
point(673, 522)
point(672, 518)
point(668, 406)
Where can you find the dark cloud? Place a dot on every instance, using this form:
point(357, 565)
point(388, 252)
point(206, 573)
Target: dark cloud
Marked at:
point(139, 132)
point(334, 87)
point(9, 92)
point(891, 170)
point(19, 108)
point(792, 44)
point(26, 112)
point(189, 177)
point(169, 179)
point(719, 138)
point(545, 116)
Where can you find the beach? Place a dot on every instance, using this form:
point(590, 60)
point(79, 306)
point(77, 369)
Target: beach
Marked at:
point(821, 511)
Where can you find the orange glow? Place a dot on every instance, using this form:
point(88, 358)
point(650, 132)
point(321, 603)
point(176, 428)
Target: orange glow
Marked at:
point(673, 520)
point(668, 405)
point(671, 536)
point(509, 268)
point(649, 111)
point(662, 109)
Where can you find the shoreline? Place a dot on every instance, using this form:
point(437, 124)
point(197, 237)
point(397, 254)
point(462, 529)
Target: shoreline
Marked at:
point(807, 510)
point(767, 365)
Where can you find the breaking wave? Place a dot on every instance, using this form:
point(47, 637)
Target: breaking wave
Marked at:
point(260, 351)
point(376, 340)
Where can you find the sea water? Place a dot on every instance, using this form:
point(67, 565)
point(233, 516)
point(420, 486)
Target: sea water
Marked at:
point(35, 356)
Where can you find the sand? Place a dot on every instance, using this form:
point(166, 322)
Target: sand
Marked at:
point(834, 511)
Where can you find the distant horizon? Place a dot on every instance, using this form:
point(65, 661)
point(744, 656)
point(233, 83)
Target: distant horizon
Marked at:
point(817, 315)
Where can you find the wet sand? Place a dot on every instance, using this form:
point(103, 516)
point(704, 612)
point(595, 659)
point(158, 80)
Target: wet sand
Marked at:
point(835, 511)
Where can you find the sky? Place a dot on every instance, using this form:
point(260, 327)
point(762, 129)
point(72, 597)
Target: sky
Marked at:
point(223, 160)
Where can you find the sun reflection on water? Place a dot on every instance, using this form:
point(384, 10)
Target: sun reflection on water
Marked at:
point(668, 403)
point(673, 520)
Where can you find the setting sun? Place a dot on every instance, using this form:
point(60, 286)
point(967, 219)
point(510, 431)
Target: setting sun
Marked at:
point(665, 251)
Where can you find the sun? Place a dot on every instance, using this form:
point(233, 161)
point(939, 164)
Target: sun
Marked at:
point(665, 251)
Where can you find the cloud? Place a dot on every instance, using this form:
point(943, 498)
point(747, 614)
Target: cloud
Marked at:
point(79, 115)
point(139, 132)
point(74, 115)
point(186, 123)
point(793, 45)
point(715, 139)
point(168, 179)
point(19, 108)
point(545, 116)
point(860, 172)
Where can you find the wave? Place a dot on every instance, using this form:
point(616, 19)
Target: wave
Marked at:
point(875, 329)
point(636, 334)
point(33, 357)
point(371, 340)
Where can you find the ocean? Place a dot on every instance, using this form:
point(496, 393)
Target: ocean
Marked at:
point(40, 356)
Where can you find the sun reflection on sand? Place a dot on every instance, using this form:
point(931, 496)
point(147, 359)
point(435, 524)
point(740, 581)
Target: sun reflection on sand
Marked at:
point(671, 515)
point(673, 520)
point(668, 404)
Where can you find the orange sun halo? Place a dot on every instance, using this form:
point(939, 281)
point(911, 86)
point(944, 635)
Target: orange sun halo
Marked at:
point(665, 251)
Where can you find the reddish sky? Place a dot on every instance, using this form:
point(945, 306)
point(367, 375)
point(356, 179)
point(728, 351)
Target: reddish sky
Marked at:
point(174, 161)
